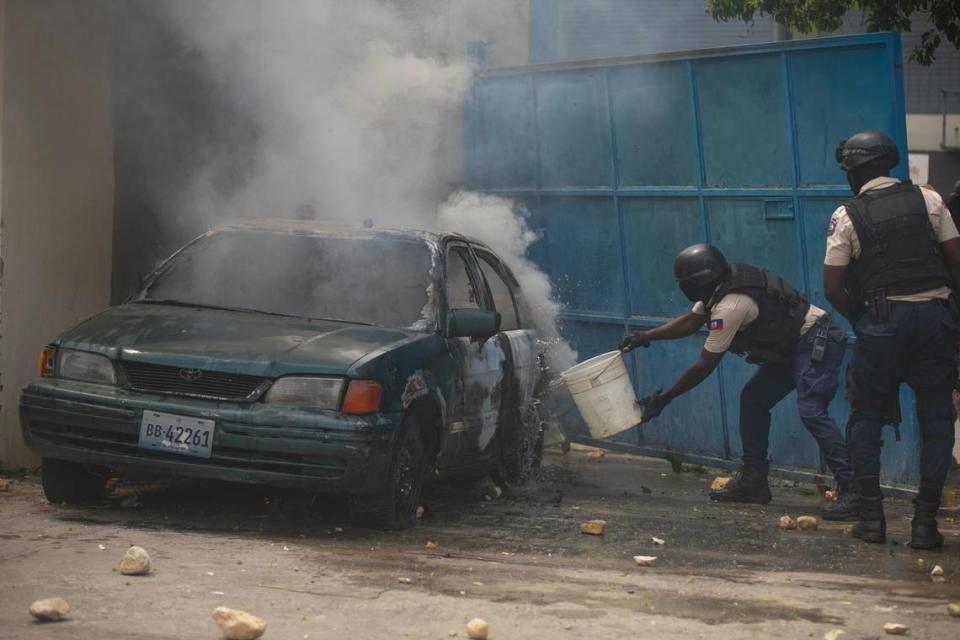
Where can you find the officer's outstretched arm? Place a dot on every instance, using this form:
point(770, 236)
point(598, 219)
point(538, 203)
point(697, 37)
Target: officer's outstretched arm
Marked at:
point(833, 279)
point(951, 253)
point(680, 327)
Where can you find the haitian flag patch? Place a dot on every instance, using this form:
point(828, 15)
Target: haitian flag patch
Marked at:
point(716, 324)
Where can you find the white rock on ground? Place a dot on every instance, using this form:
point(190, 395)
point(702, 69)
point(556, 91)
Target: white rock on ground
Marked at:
point(594, 527)
point(135, 562)
point(833, 634)
point(49, 609)
point(644, 561)
point(786, 522)
point(239, 625)
point(807, 523)
point(895, 629)
point(478, 629)
point(936, 571)
point(953, 609)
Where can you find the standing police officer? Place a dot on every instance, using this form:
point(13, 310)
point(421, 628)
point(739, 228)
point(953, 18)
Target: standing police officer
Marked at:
point(754, 313)
point(892, 257)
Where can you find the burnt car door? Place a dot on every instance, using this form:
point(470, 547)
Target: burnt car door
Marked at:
point(475, 410)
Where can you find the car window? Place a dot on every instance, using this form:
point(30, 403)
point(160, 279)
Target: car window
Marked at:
point(460, 291)
point(502, 295)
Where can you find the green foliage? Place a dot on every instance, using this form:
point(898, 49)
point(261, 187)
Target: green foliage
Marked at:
point(811, 16)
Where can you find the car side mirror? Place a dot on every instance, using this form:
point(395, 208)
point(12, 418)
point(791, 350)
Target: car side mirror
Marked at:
point(472, 323)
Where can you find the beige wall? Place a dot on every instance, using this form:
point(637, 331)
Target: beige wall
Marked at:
point(56, 209)
point(925, 131)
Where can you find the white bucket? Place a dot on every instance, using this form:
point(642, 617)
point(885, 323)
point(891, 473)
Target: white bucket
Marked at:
point(604, 395)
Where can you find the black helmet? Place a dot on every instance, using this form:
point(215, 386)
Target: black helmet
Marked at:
point(865, 147)
point(699, 270)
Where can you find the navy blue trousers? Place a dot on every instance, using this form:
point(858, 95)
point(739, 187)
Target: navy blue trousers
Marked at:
point(916, 344)
point(816, 384)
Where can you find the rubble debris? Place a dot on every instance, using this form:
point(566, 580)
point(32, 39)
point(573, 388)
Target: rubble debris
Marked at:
point(830, 495)
point(49, 609)
point(239, 625)
point(833, 634)
point(4, 484)
point(720, 483)
point(953, 609)
point(807, 523)
point(568, 627)
point(420, 511)
point(786, 522)
point(936, 571)
point(135, 562)
point(597, 455)
point(404, 580)
point(477, 629)
point(645, 561)
point(593, 527)
point(430, 545)
point(657, 541)
point(452, 633)
point(895, 629)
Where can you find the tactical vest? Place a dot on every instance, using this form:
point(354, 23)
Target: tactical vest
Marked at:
point(899, 252)
point(773, 336)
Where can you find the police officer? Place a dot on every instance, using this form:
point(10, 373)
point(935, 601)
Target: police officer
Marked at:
point(757, 314)
point(953, 204)
point(892, 257)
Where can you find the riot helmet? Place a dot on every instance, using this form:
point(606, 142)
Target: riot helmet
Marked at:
point(699, 270)
point(867, 147)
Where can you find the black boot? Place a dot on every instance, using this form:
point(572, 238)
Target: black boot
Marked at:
point(923, 529)
point(847, 504)
point(872, 526)
point(749, 485)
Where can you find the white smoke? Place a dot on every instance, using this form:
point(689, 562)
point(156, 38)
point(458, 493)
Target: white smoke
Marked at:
point(357, 109)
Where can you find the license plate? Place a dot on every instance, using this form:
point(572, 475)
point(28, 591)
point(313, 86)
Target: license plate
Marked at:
point(176, 434)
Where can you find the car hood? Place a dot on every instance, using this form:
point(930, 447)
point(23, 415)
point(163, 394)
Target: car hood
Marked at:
point(230, 341)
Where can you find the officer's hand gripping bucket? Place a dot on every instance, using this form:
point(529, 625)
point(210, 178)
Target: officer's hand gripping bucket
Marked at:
point(603, 393)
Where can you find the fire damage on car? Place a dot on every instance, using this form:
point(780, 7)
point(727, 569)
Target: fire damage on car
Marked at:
point(291, 354)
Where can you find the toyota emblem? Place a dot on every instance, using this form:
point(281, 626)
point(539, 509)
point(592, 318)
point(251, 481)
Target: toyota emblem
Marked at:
point(191, 375)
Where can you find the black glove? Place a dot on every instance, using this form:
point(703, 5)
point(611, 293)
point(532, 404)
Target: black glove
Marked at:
point(634, 340)
point(653, 405)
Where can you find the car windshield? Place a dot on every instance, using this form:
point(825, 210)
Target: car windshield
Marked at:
point(382, 281)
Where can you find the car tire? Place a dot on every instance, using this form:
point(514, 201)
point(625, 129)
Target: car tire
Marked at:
point(520, 452)
point(66, 482)
point(394, 506)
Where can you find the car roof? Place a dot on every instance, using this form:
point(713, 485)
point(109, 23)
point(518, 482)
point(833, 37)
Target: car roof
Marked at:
point(325, 229)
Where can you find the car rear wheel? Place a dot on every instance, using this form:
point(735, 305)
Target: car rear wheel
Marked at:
point(71, 482)
point(395, 505)
point(521, 451)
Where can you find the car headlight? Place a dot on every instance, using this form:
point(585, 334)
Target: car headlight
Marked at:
point(313, 392)
point(86, 367)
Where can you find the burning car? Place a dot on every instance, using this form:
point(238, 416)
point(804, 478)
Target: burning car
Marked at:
point(293, 354)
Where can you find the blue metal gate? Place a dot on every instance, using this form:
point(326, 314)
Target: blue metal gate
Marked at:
point(623, 162)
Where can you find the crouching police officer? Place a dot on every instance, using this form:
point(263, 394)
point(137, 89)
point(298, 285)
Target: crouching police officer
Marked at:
point(892, 256)
point(754, 313)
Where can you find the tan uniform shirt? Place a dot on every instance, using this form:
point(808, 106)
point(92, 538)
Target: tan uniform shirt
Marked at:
point(843, 244)
point(734, 312)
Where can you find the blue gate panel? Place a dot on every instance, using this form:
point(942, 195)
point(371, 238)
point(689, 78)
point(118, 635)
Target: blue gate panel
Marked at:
point(624, 162)
point(837, 92)
point(654, 228)
point(573, 130)
point(653, 111)
point(744, 121)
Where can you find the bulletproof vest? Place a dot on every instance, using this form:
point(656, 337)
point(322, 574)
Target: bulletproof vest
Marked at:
point(773, 336)
point(899, 252)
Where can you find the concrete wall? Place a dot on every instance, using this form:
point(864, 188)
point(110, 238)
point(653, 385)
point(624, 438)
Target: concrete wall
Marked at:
point(57, 185)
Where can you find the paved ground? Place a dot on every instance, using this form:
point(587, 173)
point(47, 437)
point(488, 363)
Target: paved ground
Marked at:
point(519, 562)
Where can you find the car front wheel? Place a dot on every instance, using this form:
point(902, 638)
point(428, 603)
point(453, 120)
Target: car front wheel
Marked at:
point(394, 506)
point(70, 482)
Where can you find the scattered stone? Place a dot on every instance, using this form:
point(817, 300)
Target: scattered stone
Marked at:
point(895, 629)
point(431, 545)
point(658, 541)
point(833, 634)
point(936, 571)
point(831, 496)
point(568, 627)
point(452, 633)
point(420, 511)
point(645, 561)
point(807, 523)
point(239, 625)
point(404, 580)
point(786, 522)
point(720, 483)
point(920, 562)
point(4, 484)
point(135, 562)
point(596, 455)
point(477, 629)
point(593, 527)
point(953, 609)
point(49, 609)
